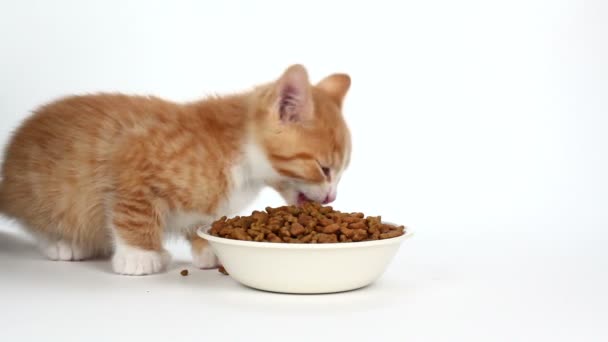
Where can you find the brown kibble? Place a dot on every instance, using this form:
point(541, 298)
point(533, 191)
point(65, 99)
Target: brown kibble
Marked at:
point(357, 225)
point(331, 229)
point(307, 238)
point(371, 220)
point(327, 238)
point(325, 221)
point(219, 224)
point(305, 219)
point(276, 220)
point(347, 231)
point(240, 234)
point(359, 235)
point(225, 230)
point(260, 216)
point(310, 223)
point(326, 210)
point(222, 270)
point(284, 232)
point(273, 238)
point(274, 228)
point(308, 230)
point(246, 222)
point(391, 234)
point(297, 229)
point(184, 273)
point(385, 228)
point(350, 219)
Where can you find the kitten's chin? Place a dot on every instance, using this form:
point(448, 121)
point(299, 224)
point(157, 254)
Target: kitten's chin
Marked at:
point(290, 197)
point(296, 198)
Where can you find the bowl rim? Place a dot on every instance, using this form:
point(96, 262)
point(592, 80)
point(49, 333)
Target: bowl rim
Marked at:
point(202, 232)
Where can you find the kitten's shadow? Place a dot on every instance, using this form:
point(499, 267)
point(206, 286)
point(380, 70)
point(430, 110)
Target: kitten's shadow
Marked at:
point(229, 292)
point(105, 265)
point(17, 245)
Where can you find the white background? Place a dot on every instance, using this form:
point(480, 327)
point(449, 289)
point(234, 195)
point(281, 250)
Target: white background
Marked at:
point(479, 124)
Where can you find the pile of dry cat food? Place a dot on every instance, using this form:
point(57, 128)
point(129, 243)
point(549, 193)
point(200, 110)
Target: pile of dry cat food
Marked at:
point(309, 223)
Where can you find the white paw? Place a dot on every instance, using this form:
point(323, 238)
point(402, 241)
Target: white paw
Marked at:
point(204, 258)
point(136, 261)
point(64, 250)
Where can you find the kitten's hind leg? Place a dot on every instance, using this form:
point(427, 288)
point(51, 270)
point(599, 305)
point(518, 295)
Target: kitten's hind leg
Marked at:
point(64, 250)
point(137, 231)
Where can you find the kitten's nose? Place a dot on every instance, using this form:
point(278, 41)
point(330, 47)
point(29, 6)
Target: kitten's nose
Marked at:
point(329, 198)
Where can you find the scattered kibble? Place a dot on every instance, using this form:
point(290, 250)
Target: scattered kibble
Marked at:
point(222, 270)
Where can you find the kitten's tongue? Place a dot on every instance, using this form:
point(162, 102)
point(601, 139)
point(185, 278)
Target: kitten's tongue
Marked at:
point(303, 199)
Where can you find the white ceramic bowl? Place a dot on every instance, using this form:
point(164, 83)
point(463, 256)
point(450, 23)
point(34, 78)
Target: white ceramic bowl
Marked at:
point(304, 268)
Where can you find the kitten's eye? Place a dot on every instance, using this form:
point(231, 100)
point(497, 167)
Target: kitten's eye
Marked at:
point(326, 171)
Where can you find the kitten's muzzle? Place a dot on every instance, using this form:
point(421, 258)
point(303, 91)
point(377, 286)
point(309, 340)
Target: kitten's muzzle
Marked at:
point(302, 198)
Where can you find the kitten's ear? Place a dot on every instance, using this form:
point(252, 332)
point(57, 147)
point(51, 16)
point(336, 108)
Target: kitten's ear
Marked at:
point(336, 86)
point(294, 103)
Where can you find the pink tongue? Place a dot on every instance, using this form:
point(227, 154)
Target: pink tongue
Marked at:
point(302, 198)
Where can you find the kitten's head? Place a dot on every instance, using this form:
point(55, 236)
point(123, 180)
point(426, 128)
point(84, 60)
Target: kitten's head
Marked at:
point(306, 139)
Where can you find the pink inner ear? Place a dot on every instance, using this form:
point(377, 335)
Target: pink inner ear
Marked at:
point(290, 104)
point(294, 92)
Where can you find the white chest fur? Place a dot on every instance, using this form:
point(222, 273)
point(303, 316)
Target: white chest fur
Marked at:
point(239, 199)
point(182, 222)
point(246, 181)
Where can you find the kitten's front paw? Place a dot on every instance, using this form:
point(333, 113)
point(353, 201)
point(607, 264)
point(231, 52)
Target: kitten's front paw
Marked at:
point(205, 259)
point(136, 261)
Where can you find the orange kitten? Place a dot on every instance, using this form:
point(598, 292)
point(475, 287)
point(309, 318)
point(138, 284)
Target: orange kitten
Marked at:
point(99, 174)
